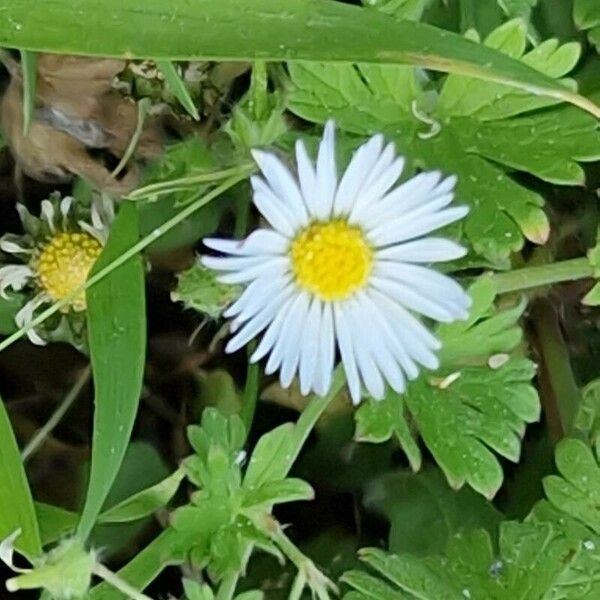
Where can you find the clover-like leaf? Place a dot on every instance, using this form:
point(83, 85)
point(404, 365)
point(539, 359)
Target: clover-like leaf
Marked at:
point(587, 16)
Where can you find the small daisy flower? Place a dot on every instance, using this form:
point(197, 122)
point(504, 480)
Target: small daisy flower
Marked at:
point(344, 266)
point(55, 255)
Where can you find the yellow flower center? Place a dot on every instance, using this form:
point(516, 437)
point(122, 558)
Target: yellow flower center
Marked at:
point(332, 260)
point(64, 263)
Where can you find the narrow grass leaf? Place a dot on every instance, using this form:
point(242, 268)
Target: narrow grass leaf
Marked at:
point(29, 69)
point(117, 336)
point(16, 503)
point(261, 30)
point(177, 86)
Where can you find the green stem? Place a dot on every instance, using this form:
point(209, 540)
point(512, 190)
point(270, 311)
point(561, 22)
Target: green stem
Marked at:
point(118, 583)
point(250, 396)
point(38, 439)
point(227, 586)
point(311, 414)
point(532, 277)
point(143, 108)
point(187, 182)
point(135, 249)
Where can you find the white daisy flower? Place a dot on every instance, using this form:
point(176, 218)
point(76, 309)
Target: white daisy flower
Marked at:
point(55, 255)
point(343, 266)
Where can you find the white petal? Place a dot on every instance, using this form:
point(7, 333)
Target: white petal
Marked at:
point(384, 359)
point(101, 236)
point(427, 282)
point(326, 173)
point(325, 364)
point(255, 295)
point(309, 346)
point(282, 184)
point(307, 178)
point(258, 322)
point(13, 247)
point(47, 212)
point(287, 348)
point(416, 193)
point(395, 232)
point(25, 316)
point(372, 193)
point(259, 242)
point(414, 336)
point(273, 332)
point(279, 216)
point(65, 207)
point(227, 263)
point(15, 277)
point(395, 344)
point(356, 174)
point(345, 344)
point(413, 300)
point(276, 266)
point(426, 250)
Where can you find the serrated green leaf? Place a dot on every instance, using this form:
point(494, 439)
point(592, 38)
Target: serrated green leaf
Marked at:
point(377, 422)
point(16, 504)
point(199, 289)
point(477, 134)
point(424, 513)
point(369, 587)
point(463, 414)
point(485, 332)
point(278, 492)
point(483, 408)
point(116, 314)
point(270, 458)
point(577, 491)
point(401, 9)
point(145, 502)
point(587, 16)
point(464, 96)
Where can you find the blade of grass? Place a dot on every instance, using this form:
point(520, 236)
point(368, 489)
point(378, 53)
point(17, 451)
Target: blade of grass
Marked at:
point(116, 314)
point(29, 69)
point(273, 30)
point(16, 504)
point(176, 85)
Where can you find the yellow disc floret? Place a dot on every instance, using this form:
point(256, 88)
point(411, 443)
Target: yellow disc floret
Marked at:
point(64, 263)
point(332, 259)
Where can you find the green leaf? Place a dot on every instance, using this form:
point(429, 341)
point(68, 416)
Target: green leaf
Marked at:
point(592, 298)
point(144, 503)
point(270, 458)
point(278, 492)
point(197, 591)
point(117, 335)
point(587, 16)
point(577, 491)
point(199, 289)
point(478, 131)
point(177, 86)
point(536, 561)
point(424, 513)
point(283, 30)
point(16, 504)
point(463, 414)
point(486, 332)
point(165, 550)
point(9, 307)
point(29, 70)
point(55, 522)
point(480, 398)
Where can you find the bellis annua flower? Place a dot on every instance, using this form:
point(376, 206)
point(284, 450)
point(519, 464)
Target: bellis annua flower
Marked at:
point(54, 256)
point(343, 267)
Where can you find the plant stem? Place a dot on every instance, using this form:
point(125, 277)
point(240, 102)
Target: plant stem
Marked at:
point(250, 396)
point(531, 277)
point(135, 249)
point(38, 439)
point(143, 107)
point(227, 586)
point(187, 182)
point(114, 580)
point(310, 415)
